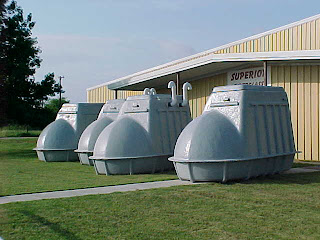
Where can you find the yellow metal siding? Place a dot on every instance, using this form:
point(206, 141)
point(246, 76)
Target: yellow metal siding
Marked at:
point(313, 35)
point(102, 94)
point(307, 116)
point(201, 90)
point(317, 35)
point(302, 84)
point(305, 36)
point(315, 119)
point(294, 102)
point(301, 112)
point(315, 113)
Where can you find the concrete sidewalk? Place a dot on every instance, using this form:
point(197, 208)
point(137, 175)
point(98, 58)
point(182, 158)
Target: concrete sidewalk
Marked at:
point(112, 189)
point(301, 170)
point(91, 191)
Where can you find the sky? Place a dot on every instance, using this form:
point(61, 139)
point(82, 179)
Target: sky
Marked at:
point(91, 42)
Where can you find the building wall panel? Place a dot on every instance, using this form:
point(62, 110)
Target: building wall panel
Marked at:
point(317, 27)
point(282, 41)
point(314, 101)
point(200, 92)
point(301, 113)
point(319, 110)
point(313, 35)
point(294, 102)
point(296, 38)
point(302, 84)
point(277, 39)
point(307, 116)
point(290, 39)
point(305, 36)
point(287, 82)
point(96, 94)
point(201, 89)
point(270, 43)
point(308, 36)
point(102, 94)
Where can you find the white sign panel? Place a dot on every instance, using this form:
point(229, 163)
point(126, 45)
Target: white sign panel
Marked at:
point(250, 76)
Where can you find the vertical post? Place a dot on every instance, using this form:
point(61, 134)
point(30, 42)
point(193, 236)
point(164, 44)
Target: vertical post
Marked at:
point(115, 94)
point(178, 83)
point(60, 92)
point(265, 71)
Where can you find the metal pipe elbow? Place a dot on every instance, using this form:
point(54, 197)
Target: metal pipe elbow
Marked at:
point(146, 91)
point(186, 86)
point(173, 87)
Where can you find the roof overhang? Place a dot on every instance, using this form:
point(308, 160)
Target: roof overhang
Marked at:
point(200, 66)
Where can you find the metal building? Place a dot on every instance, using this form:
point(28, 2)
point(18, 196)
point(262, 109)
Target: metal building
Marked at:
point(288, 56)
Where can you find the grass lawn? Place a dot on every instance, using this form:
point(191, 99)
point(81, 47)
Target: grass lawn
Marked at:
point(18, 131)
point(277, 207)
point(21, 172)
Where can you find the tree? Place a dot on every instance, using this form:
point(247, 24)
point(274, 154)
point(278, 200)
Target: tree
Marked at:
point(54, 104)
point(20, 57)
point(3, 98)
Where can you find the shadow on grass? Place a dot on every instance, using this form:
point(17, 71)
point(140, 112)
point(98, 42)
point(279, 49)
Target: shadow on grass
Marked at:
point(54, 226)
point(19, 154)
point(287, 179)
point(304, 164)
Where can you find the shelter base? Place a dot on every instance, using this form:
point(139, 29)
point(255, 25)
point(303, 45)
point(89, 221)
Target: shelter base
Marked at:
point(133, 166)
point(84, 158)
point(57, 155)
point(234, 170)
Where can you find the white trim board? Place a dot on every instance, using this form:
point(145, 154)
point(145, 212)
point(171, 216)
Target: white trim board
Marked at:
point(216, 58)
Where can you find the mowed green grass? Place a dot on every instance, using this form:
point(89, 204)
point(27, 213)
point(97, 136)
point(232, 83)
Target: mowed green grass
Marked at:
point(277, 207)
point(18, 131)
point(21, 172)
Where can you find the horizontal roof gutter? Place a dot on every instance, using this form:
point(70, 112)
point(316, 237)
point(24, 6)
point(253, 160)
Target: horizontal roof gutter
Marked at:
point(196, 61)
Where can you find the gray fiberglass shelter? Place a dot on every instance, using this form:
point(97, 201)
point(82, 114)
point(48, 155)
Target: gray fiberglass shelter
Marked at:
point(59, 139)
point(108, 114)
point(245, 131)
point(143, 136)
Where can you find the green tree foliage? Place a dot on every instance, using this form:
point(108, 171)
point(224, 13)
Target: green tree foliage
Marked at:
point(54, 104)
point(20, 56)
point(2, 6)
point(3, 98)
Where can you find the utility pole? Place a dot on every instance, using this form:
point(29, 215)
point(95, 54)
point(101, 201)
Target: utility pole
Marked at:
point(60, 92)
